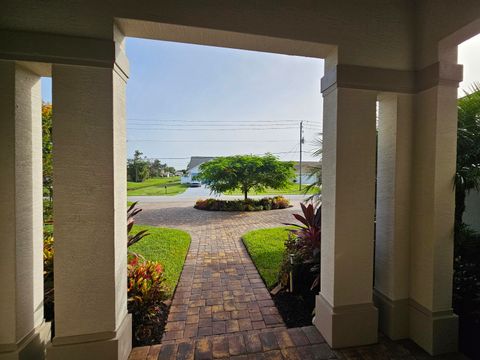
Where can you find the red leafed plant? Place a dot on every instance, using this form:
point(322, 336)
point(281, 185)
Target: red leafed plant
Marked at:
point(304, 244)
point(146, 290)
point(146, 295)
point(145, 280)
point(308, 234)
point(134, 238)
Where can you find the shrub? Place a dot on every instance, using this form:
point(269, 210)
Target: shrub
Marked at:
point(133, 238)
point(48, 254)
point(146, 294)
point(245, 172)
point(277, 202)
point(145, 280)
point(303, 248)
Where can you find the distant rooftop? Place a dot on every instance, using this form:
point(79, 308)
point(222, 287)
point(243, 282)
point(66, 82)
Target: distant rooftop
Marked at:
point(197, 160)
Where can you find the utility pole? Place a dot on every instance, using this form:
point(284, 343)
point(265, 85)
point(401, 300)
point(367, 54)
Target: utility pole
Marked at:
point(301, 143)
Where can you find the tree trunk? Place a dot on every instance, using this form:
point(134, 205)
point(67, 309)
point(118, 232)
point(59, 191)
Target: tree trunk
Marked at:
point(245, 193)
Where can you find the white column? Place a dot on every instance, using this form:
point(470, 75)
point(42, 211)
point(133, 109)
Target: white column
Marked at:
point(344, 313)
point(23, 332)
point(392, 250)
point(432, 323)
point(90, 214)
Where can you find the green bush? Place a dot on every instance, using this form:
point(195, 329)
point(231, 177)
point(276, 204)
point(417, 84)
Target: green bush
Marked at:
point(277, 202)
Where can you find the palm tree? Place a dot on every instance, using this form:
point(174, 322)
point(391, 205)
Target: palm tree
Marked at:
point(315, 172)
point(467, 175)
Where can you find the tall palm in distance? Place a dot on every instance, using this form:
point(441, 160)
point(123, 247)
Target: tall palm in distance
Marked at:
point(315, 172)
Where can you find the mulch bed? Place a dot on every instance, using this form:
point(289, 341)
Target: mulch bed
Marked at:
point(149, 331)
point(295, 311)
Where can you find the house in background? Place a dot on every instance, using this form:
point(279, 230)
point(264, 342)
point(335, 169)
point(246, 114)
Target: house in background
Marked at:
point(307, 168)
point(193, 168)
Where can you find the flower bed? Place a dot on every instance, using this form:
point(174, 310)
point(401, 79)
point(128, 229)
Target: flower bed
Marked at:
point(268, 203)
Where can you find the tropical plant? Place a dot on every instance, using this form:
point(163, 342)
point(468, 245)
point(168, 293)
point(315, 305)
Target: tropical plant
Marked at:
point(47, 160)
point(146, 289)
point(466, 279)
point(145, 280)
point(467, 175)
point(303, 247)
point(246, 172)
point(315, 172)
point(146, 296)
point(133, 238)
point(48, 254)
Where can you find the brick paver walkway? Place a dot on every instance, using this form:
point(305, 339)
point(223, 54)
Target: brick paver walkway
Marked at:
point(220, 290)
point(221, 308)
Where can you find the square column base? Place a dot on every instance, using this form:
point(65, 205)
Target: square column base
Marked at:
point(435, 332)
point(32, 347)
point(95, 346)
point(345, 326)
point(393, 316)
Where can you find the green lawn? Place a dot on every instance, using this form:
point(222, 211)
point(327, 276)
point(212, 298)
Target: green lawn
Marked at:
point(167, 246)
point(266, 247)
point(156, 187)
point(291, 189)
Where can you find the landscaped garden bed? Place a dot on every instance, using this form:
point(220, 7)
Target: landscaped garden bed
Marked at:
point(167, 246)
point(267, 250)
point(288, 260)
point(268, 203)
point(155, 261)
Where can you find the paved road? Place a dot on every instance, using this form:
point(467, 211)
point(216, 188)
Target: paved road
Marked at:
point(193, 194)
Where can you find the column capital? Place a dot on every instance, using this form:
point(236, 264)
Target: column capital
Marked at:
point(46, 49)
point(392, 80)
point(439, 73)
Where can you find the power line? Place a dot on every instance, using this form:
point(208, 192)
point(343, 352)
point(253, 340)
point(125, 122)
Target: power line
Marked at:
point(213, 129)
point(186, 158)
point(292, 121)
point(212, 141)
point(203, 125)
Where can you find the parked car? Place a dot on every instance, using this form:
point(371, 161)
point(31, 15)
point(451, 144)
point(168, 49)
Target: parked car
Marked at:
point(195, 184)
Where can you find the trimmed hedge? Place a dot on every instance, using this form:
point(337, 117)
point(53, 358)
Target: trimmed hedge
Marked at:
point(267, 203)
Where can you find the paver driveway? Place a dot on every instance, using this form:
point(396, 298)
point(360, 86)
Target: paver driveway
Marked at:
point(221, 308)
